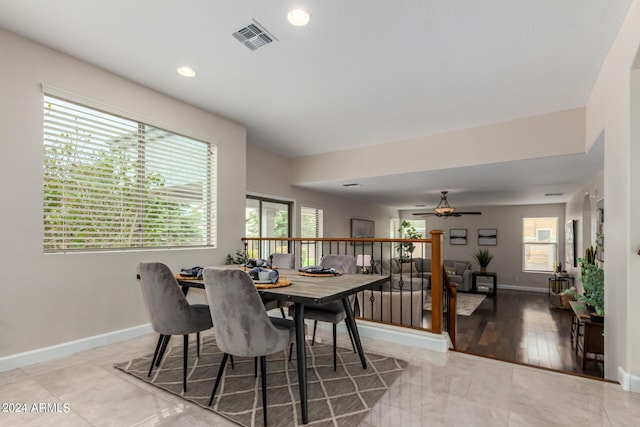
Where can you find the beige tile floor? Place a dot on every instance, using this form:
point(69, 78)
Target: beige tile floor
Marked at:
point(451, 389)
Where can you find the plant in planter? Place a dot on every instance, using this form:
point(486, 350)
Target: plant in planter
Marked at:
point(238, 259)
point(483, 257)
point(408, 231)
point(592, 277)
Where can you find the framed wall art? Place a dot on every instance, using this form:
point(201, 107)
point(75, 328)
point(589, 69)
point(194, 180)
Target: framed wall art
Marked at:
point(487, 236)
point(600, 230)
point(457, 236)
point(362, 228)
point(570, 248)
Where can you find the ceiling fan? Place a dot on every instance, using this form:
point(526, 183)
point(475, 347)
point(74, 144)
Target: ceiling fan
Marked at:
point(445, 210)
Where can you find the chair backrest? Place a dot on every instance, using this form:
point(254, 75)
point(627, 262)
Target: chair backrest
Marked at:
point(242, 325)
point(345, 263)
point(283, 261)
point(166, 304)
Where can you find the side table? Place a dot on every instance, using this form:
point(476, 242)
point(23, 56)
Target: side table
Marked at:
point(588, 334)
point(559, 283)
point(474, 284)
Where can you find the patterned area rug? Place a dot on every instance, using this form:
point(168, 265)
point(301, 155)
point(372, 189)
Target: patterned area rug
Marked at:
point(466, 304)
point(341, 398)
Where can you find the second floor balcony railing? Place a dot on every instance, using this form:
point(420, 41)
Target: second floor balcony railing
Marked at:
point(417, 294)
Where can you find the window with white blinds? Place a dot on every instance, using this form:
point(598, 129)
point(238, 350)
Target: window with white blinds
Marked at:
point(311, 225)
point(115, 183)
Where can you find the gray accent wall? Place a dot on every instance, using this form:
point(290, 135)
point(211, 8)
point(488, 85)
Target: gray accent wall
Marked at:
point(508, 252)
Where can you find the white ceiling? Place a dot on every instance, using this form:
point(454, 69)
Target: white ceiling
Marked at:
point(362, 72)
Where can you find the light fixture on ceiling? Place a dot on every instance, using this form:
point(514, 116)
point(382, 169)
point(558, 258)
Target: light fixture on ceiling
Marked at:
point(298, 17)
point(443, 207)
point(186, 71)
point(444, 210)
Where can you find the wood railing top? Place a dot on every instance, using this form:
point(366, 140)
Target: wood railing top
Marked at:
point(346, 239)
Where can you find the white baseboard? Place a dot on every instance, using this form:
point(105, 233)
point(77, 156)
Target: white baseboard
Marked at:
point(65, 349)
point(523, 288)
point(628, 381)
point(395, 334)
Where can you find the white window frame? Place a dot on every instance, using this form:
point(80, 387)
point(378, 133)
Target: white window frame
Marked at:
point(112, 182)
point(552, 243)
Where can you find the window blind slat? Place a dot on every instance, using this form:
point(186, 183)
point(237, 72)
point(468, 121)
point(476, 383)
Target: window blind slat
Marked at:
point(114, 183)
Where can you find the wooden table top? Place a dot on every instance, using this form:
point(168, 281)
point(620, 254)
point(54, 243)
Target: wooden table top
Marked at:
point(313, 290)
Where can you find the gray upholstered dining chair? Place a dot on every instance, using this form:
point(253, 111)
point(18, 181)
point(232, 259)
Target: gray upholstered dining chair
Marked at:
point(332, 312)
point(169, 310)
point(243, 327)
point(286, 261)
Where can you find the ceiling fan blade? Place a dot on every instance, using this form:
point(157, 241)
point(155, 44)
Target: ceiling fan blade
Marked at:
point(468, 213)
point(424, 213)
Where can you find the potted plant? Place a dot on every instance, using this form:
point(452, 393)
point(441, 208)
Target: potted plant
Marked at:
point(483, 257)
point(408, 231)
point(592, 277)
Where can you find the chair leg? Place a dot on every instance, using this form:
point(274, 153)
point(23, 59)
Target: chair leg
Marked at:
point(313, 339)
point(155, 354)
point(165, 343)
point(184, 363)
point(220, 372)
point(335, 356)
point(290, 351)
point(198, 343)
point(232, 365)
point(284, 316)
point(255, 367)
point(263, 372)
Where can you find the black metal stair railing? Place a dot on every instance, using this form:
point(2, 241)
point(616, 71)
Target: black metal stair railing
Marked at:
point(413, 280)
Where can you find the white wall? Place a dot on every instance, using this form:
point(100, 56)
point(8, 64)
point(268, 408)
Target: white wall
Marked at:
point(268, 174)
point(594, 189)
point(507, 261)
point(608, 109)
point(547, 135)
point(56, 298)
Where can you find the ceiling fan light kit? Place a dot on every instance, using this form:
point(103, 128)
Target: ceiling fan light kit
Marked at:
point(445, 210)
point(443, 207)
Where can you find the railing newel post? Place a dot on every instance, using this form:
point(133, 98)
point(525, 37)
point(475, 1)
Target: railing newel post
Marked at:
point(436, 281)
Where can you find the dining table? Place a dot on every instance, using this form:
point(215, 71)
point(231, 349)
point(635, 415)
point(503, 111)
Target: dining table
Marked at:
point(306, 291)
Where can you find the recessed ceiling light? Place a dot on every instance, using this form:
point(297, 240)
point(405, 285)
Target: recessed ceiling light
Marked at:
point(298, 17)
point(186, 71)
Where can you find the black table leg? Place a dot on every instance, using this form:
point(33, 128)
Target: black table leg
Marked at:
point(351, 324)
point(302, 360)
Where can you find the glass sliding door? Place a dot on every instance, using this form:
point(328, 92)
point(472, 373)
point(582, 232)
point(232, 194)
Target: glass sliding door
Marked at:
point(268, 218)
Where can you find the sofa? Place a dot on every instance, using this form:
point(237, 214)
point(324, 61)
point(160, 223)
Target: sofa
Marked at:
point(459, 272)
point(392, 306)
point(398, 301)
point(401, 300)
point(404, 273)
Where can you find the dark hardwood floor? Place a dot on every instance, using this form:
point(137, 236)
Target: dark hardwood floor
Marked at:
point(521, 327)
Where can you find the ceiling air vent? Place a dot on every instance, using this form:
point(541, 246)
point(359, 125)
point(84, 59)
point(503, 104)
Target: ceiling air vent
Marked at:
point(254, 36)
